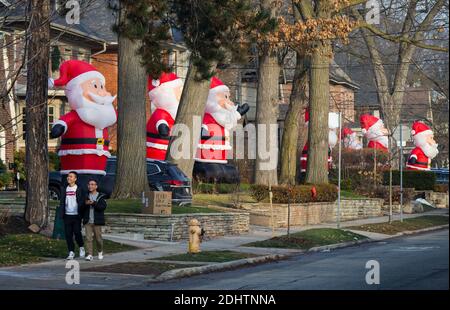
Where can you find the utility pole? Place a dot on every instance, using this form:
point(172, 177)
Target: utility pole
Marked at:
point(338, 217)
point(401, 173)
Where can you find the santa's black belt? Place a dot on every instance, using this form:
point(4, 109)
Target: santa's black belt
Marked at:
point(157, 136)
point(98, 141)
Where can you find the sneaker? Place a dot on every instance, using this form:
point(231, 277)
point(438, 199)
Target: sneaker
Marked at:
point(100, 255)
point(71, 255)
point(89, 257)
point(82, 252)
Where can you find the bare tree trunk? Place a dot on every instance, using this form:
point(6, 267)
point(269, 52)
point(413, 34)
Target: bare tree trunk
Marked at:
point(36, 209)
point(319, 92)
point(131, 177)
point(267, 101)
point(190, 110)
point(289, 144)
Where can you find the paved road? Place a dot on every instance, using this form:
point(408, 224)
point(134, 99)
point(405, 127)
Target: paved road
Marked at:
point(416, 262)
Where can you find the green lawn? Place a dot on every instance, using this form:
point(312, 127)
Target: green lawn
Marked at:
point(308, 239)
point(407, 225)
point(139, 268)
point(208, 256)
point(29, 248)
point(135, 206)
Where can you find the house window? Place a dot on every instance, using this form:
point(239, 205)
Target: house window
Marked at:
point(51, 118)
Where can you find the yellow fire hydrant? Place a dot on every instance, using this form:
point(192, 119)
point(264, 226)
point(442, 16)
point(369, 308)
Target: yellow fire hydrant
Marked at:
point(195, 236)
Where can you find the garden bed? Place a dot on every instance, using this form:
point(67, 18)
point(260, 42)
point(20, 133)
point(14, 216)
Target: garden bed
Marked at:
point(308, 239)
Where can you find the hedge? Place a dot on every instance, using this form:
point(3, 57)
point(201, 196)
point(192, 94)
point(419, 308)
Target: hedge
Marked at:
point(220, 188)
point(420, 180)
point(295, 194)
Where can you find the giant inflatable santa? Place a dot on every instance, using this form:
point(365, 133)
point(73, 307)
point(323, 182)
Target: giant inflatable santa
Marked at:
point(426, 148)
point(165, 94)
point(373, 129)
point(221, 115)
point(333, 125)
point(350, 139)
point(83, 131)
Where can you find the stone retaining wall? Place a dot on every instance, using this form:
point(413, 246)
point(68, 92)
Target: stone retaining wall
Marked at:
point(312, 213)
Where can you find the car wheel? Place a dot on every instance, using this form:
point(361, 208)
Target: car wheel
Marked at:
point(54, 193)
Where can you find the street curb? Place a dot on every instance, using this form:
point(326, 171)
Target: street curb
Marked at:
point(340, 245)
point(414, 232)
point(186, 272)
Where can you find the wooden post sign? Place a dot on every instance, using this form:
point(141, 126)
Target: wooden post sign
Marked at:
point(159, 203)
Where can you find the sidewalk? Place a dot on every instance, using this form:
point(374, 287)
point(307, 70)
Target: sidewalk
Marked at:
point(54, 270)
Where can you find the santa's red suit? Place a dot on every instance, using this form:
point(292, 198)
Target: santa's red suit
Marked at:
point(426, 148)
point(373, 129)
point(418, 160)
point(304, 158)
point(376, 145)
point(156, 143)
point(214, 142)
point(164, 106)
point(83, 131)
point(84, 148)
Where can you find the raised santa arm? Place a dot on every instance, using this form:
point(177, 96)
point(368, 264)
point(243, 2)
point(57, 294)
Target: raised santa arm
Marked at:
point(243, 108)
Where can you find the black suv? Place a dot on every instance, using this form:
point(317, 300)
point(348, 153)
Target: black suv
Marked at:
point(162, 176)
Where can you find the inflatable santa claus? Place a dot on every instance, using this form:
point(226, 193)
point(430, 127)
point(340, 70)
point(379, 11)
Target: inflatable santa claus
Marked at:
point(426, 148)
point(165, 94)
point(350, 139)
point(333, 125)
point(373, 129)
point(83, 131)
point(221, 115)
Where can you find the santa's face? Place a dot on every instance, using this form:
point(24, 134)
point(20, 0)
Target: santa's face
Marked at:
point(93, 103)
point(223, 109)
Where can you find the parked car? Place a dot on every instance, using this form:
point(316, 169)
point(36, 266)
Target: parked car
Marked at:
point(441, 175)
point(162, 176)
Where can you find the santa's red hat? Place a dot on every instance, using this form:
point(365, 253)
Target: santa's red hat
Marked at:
point(368, 121)
point(165, 80)
point(74, 72)
point(217, 86)
point(347, 132)
point(419, 130)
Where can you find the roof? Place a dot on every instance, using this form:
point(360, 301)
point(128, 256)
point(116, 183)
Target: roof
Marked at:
point(15, 13)
point(97, 20)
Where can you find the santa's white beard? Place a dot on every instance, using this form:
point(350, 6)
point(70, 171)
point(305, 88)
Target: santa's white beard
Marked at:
point(97, 115)
point(166, 100)
point(227, 118)
point(430, 150)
